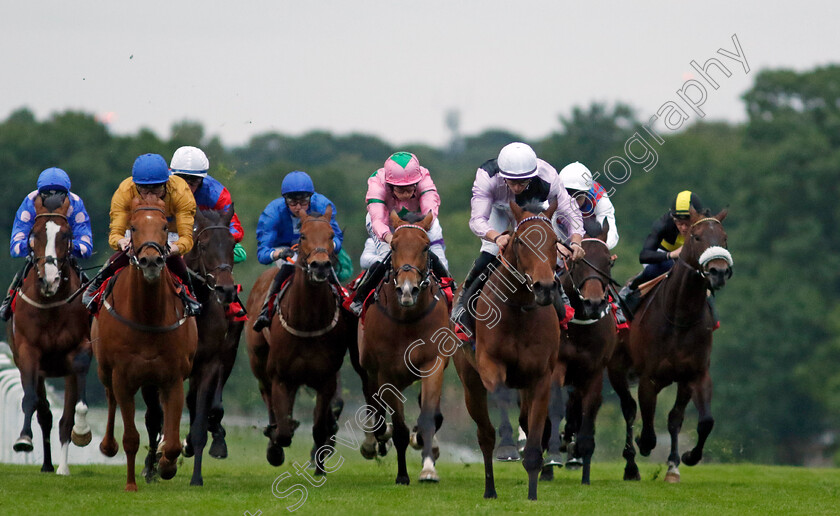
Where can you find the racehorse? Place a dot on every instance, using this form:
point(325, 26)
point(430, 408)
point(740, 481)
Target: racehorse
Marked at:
point(587, 345)
point(305, 344)
point(670, 341)
point(50, 334)
point(517, 339)
point(210, 263)
point(143, 340)
point(401, 341)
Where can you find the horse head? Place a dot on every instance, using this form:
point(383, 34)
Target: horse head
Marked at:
point(50, 241)
point(410, 257)
point(705, 248)
point(589, 279)
point(533, 251)
point(149, 228)
point(212, 254)
point(316, 250)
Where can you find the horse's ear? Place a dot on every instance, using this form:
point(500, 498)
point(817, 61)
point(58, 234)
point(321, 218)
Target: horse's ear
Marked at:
point(552, 207)
point(395, 219)
point(228, 215)
point(517, 211)
point(693, 214)
point(328, 212)
point(427, 221)
point(39, 204)
point(605, 229)
point(722, 215)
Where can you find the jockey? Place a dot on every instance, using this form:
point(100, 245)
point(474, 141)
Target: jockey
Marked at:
point(404, 186)
point(150, 175)
point(663, 244)
point(591, 197)
point(279, 228)
point(191, 165)
point(516, 175)
point(55, 184)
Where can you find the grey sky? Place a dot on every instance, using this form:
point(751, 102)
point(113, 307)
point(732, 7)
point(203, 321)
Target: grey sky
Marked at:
point(387, 68)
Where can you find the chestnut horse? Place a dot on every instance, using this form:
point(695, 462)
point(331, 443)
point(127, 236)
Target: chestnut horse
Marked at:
point(305, 344)
point(517, 339)
point(210, 262)
point(587, 345)
point(670, 341)
point(50, 335)
point(402, 341)
point(143, 340)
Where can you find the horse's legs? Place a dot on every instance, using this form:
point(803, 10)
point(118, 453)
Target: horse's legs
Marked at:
point(80, 433)
point(27, 362)
point(647, 403)
point(475, 396)
point(618, 380)
point(401, 434)
point(675, 421)
point(190, 399)
point(65, 424)
point(282, 400)
point(131, 437)
point(198, 426)
point(556, 413)
point(154, 423)
point(574, 414)
point(585, 440)
point(172, 397)
point(430, 391)
point(702, 396)
point(323, 425)
point(218, 449)
point(109, 446)
point(45, 420)
point(502, 399)
point(536, 398)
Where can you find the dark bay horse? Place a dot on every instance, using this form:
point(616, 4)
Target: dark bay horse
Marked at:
point(211, 265)
point(403, 340)
point(517, 339)
point(305, 344)
point(670, 341)
point(587, 345)
point(143, 340)
point(50, 335)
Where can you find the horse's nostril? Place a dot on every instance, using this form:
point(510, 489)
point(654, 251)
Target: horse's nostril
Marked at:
point(144, 262)
point(415, 291)
point(159, 261)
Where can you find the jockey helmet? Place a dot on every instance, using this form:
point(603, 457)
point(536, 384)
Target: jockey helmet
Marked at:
point(402, 169)
point(150, 169)
point(189, 161)
point(575, 176)
point(681, 208)
point(297, 182)
point(517, 160)
point(53, 178)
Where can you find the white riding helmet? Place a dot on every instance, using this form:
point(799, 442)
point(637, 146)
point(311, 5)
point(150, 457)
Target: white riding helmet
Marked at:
point(575, 176)
point(190, 161)
point(517, 161)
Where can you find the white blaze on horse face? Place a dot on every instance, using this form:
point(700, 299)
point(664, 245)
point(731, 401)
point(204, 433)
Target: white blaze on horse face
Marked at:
point(405, 291)
point(51, 269)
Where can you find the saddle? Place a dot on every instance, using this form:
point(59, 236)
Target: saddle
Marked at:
point(342, 295)
point(108, 286)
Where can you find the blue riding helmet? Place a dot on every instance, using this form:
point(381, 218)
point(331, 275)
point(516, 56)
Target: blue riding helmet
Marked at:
point(150, 169)
point(53, 178)
point(297, 182)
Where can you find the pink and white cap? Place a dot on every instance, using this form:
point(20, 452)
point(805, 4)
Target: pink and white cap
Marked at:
point(402, 169)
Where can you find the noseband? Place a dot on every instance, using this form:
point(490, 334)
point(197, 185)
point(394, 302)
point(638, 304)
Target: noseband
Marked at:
point(303, 260)
point(207, 277)
point(599, 276)
point(710, 253)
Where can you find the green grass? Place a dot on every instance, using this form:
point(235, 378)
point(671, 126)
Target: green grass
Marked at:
point(243, 483)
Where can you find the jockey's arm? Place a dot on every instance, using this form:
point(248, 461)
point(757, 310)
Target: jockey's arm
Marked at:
point(184, 207)
point(120, 213)
point(24, 219)
point(82, 233)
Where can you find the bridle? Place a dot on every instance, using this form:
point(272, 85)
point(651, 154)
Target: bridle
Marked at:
point(425, 280)
point(599, 276)
point(709, 254)
point(206, 275)
point(58, 262)
point(515, 240)
point(151, 243)
point(303, 259)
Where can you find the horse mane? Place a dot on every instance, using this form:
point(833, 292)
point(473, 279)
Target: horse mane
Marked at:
point(212, 216)
point(534, 207)
point(54, 201)
point(591, 227)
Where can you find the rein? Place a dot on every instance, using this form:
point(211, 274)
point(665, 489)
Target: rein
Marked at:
point(207, 277)
point(143, 327)
point(424, 275)
point(154, 245)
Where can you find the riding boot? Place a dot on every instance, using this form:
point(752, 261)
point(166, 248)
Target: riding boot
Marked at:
point(560, 299)
point(178, 267)
point(473, 283)
point(264, 319)
point(715, 318)
point(438, 268)
point(371, 279)
point(629, 296)
point(6, 307)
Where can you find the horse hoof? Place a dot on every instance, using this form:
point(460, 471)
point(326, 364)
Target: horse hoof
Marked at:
point(167, 470)
point(689, 460)
point(507, 453)
point(415, 440)
point(275, 455)
point(131, 488)
point(632, 476)
point(672, 478)
point(574, 464)
point(645, 445)
point(218, 449)
point(547, 474)
point(109, 449)
point(382, 449)
point(81, 440)
point(490, 495)
point(553, 459)
point(23, 444)
point(48, 468)
point(368, 452)
point(403, 480)
point(429, 475)
point(187, 449)
point(197, 482)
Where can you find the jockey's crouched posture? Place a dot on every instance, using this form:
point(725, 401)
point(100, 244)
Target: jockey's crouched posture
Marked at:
point(405, 187)
point(279, 228)
point(516, 175)
point(53, 188)
point(150, 176)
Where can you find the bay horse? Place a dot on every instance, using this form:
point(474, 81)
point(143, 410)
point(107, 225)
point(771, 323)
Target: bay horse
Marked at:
point(50, 334)
point(401, 341)
point(306, 342)
point(517, 339)
point(670, 341)
point(587, 345)
point(210, 264)
point(143, 340)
